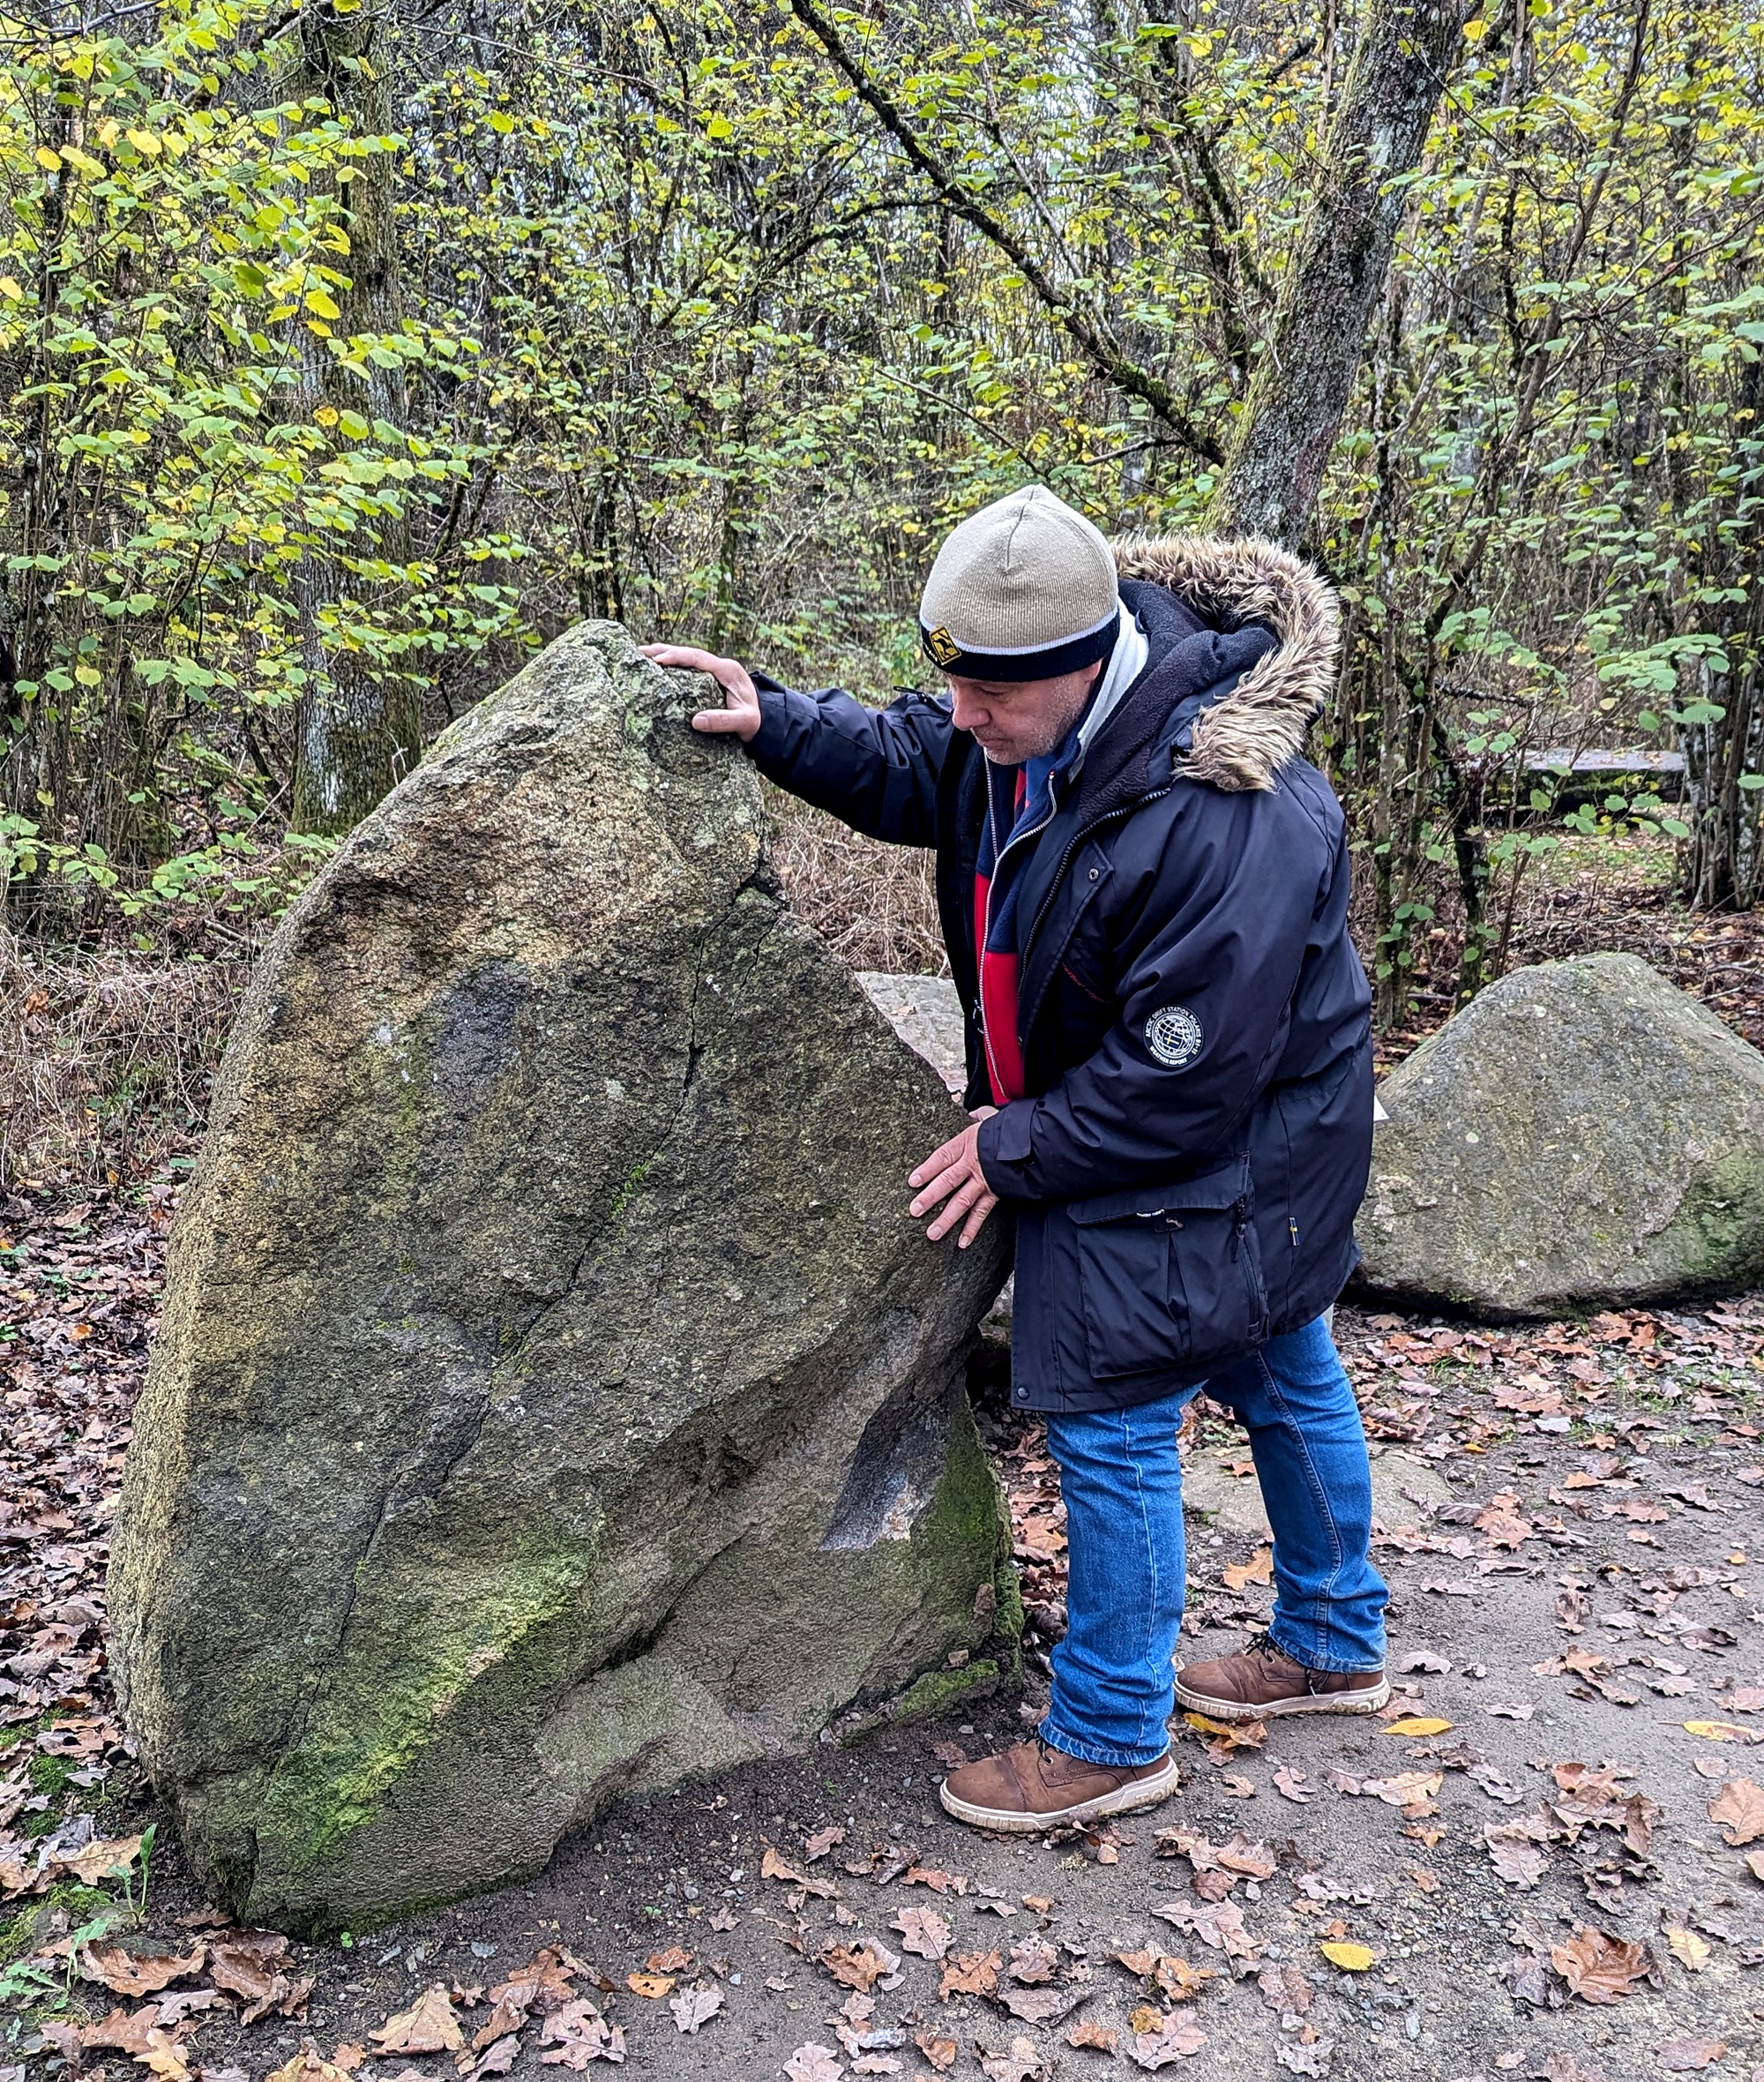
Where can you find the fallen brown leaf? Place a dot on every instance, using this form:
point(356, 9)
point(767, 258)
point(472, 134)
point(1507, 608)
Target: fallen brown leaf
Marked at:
point(1033, 1959)
point(858, 1965)
point(1691, 1952)
point(1019, 2064)
point(128, 1974)
point(1739, 1809)
point(1516, 1859)
point(427, 2026)
point(576, 2033)
point(924, 1932)
point(121, 2031)
point(1178, 2039)
point(696, 2007)
point(1685, 2057)
point(1411, 1791)
point(1227, 1735)
point(1094, 2038)
point(246, 1962)
point(1238, 1576)
point(1285, 1988)
point(970, 1974)
point(308, 2065)
point(939, 2052)
point(771, 1867)
point(1598, 1967)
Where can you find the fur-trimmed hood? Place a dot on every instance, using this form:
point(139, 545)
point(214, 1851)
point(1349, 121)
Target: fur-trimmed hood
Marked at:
point(1243, 741)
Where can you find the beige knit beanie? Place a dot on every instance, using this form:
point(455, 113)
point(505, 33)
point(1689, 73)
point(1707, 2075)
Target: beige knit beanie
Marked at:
point(1023, 589)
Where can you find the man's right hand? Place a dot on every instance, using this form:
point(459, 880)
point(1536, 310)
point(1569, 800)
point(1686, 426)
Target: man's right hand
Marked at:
point(740, 714)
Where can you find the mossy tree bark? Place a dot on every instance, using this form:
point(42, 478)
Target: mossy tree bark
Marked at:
point(360, 727)
point(1336, 274)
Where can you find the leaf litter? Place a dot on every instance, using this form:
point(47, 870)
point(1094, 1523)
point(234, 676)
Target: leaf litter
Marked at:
point(1578, 1810)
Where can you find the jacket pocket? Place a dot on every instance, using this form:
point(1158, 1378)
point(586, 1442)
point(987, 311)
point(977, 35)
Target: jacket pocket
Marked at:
point(1170, 1275)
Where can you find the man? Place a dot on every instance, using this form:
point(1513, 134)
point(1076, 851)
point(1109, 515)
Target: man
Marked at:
point(1143, 888)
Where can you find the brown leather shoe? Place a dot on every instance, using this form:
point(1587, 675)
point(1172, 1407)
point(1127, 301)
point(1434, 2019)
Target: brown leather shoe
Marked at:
point(1035, 1787)
point(1261, 1683)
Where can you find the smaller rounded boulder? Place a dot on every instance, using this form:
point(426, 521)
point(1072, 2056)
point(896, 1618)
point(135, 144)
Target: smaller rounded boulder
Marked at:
point(1582, 1133)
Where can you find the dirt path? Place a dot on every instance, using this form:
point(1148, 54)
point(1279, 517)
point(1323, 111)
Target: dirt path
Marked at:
point(1538, 1889)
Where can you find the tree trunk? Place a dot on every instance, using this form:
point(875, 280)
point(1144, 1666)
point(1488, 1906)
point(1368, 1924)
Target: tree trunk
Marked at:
point(360, 727)
point(1336, 274)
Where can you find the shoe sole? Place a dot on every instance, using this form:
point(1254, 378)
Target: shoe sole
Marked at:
point(1232, 1710)
point(1126, 1800)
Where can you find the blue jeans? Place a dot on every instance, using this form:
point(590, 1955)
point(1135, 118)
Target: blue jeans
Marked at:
point(1113, 1680)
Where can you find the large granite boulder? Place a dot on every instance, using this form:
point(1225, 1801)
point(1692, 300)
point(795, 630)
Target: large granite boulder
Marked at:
point(554, 1398)
point(1581, 1134)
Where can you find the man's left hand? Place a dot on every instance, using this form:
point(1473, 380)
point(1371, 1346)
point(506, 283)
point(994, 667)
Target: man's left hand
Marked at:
point(953, 1176)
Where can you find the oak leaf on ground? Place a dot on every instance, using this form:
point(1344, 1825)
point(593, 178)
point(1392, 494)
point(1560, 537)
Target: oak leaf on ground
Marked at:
point(576, 2033)
point(1020, 2062)
point(1598, 1967)
point(427, 2026)
point(858, 1965)
point(970, 1974)
point(1179, 2039)
point(924, 1932)
point(696, 2007)
point(128, 1974)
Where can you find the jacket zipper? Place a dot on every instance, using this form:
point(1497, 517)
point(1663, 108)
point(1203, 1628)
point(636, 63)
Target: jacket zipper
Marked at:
point(1077, 840)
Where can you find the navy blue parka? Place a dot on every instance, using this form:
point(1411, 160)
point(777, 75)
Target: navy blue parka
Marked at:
point(1195, 1025)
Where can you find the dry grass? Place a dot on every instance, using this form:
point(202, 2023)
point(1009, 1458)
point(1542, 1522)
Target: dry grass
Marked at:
point(875, 905)
point(104, 1060)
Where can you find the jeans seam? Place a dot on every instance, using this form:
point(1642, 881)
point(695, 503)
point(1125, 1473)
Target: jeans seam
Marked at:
point(1151, 1553)
point(1322, 1656)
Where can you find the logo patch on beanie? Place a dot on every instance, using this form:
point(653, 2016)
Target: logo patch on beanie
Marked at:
point(943, 648)
point(1174, 1037)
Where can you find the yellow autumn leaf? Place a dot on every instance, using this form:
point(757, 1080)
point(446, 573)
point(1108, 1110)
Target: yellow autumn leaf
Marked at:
point(1207, 1726)
point(321, 304)
point(1474, 31)
point(51, 162)
point(1352, 1958)
point(144, 142)
point(1717, 1731)
point(1417, 1725)
point(9, 287)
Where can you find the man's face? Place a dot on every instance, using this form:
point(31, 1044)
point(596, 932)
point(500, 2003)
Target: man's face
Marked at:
point(1011, 720)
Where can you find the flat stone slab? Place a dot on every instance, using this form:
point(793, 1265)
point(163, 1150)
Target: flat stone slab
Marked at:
point(926, 1013)
point(1405, 1491)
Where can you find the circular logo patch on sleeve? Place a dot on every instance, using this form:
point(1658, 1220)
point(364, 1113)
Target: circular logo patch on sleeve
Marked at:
point(1173, 1034)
